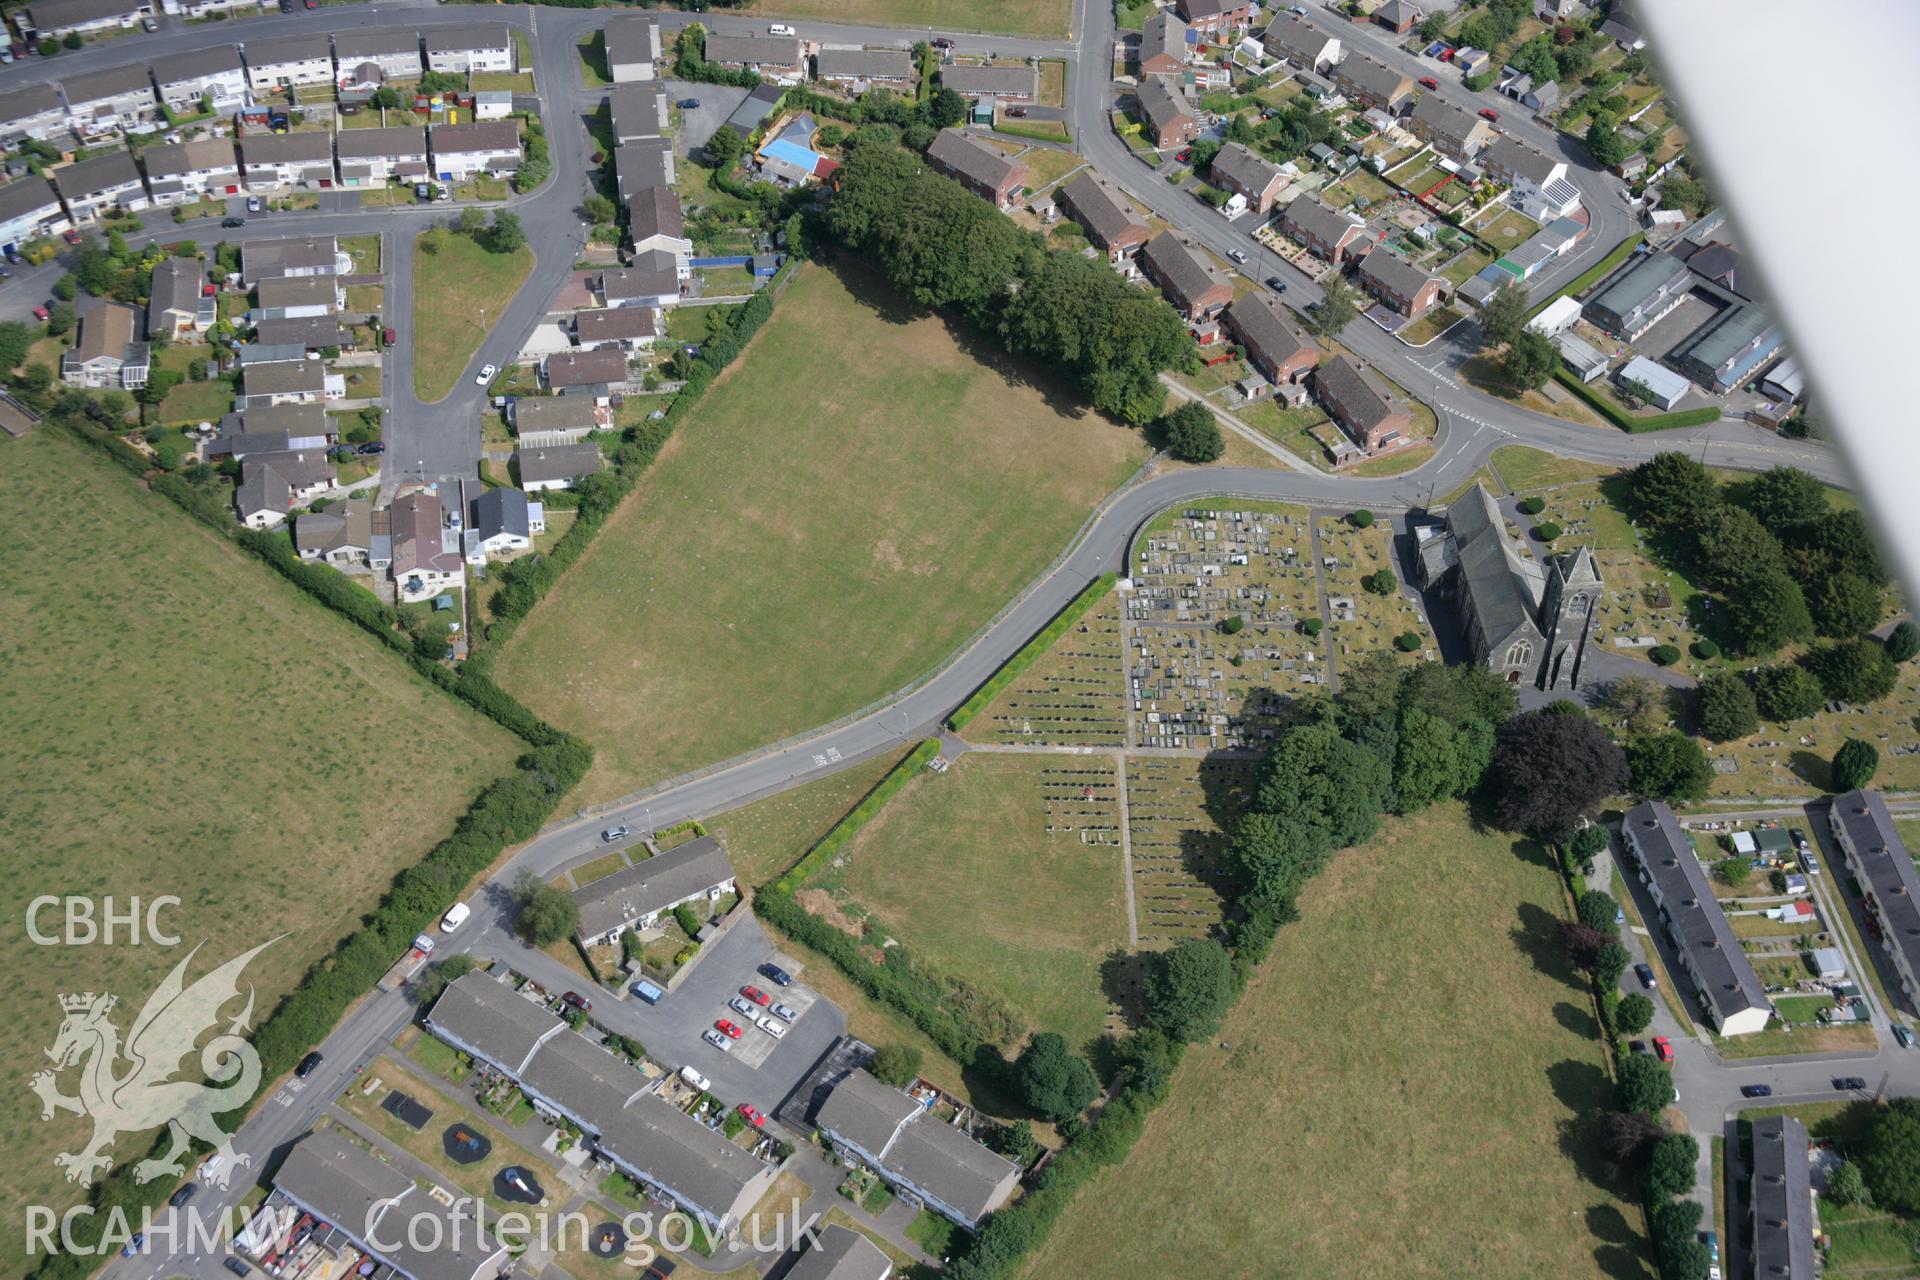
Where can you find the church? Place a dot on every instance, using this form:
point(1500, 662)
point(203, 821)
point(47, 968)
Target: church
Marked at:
point(1527, 620)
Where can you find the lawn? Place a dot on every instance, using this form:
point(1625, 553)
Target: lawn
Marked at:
point(455, 281)
point(1407, 1092)
point(766, 837)
point(593, 61)
point(1011, 17)
point(181, 721)
point(1464, 266)
point(849, 502)
point(1048, 166)
point(1522, 469)
point(1030, 846)
point(1507, 229)
point(1358, 183)
point(1430, 326)
point(192, 402)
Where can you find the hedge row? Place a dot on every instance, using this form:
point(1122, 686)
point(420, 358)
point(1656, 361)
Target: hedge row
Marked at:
point(1017, 665)
point(1627, 422)
point(844, 830)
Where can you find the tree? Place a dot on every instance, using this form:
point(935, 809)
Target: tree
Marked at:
point(1669, 490)
point(1643, 1085)
point(472, 222)
point(1854, 765)
point(545, 913)
point(1530, 360)
point(1669, 766)
point(1727, 708)
point(895, 1064)
point(428, 986)
point(1843, 604)
point(1504, 316)
point(1765, 613)
point(1361, 519)
point(1903, 642)
point(1549, 771)
point(1014, 1141)
point(1192, 434)
point(1676, 1240)
point(1782, 498)
point(60, 318)
point(1339, 304)
point(1891, 1161)
point(1856, 670)
point(723, 148)
point(1670, 1168)
point(66, 288)
point(1324, 791)
point(598, 208)
point(1733, 870)
point(1626, 1136)
point(1634, 1014)
point(1597, 907)
point(1380, 583)
point(1434, 760)
point(1189, 990)
point(387, 98)
point(1640, 703)
point(1605, 144)
point(1785, 692)
point(1609, 963)
point(74, 40)
point(507, 235)
point(1730, 546)
point(1590, 840)
point(1052, 1079)
point(945, 108)
point(1846, 1186)
point(1844, 539)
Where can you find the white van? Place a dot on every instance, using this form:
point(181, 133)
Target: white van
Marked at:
point(780, 29)
point(455, 917)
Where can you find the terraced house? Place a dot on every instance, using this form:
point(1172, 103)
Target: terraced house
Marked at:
point(776, 57)
point(1300, 43)
point(374, 157)
point(57, 19)
point(462, 151)
point(1198, 289)
point(396, 54)
point(1324, 231)
point(283, 62)
point(857, 70)
point(1002, 84)
point(279, 161)
point(29, 209)
point(184, 171)
point(216, 75)
point(1214, 17)
point(1163, 45)
point(1274, 344)
point(90, 187)
point(633, 48)
point(982, 170)
point(1398, 284)
point(1880, 860)
point(923, 1158)
point(1453, 131)
point(1244, 172)
point(117, 100)
point(641, 896)
point(1372, 83)
point(478, 46)
point(1363, 408)
point(35, 111)
point(637, 111)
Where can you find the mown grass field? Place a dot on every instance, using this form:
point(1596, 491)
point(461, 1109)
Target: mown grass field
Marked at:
point(456, 285)
point(852, 499)
point(181, 721)
point(766, 837)
point(1012, 17)
point(962, 868)
point(1407, 1091)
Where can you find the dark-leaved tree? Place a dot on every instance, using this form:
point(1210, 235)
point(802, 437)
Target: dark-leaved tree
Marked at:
point(1549, 771)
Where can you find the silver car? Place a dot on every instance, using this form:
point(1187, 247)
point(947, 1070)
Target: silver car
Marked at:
point(784, 1013)
point(717, 1040)
point(741, 1005)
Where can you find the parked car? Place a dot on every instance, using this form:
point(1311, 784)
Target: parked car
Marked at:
point(371, 447)
point(751, 1114)
point(695, 1079)
point(308, 1065)
point(1428, 82)
point(71, 236)
point(456, 916)
point(40, 313)
point(773, 1027)
point(1183, 155)
point(1488, 113)
point(286, 6)
point(1276, 284)
point(727, 1029)
point(1638, 1046)
point(485, 375)
point(148, 24)
point(754, 994)
point(236, 1266)
point(1016, 112)
point(211, 1165)
point(1902, 1035)
point(1798, 837)
point(1663, 1048)
point(1644, 972)
point(780, 29)
point(941, 42)
point(1711, 1239)
point(785, 1013)
point(1238, 255)
point(574, 1000)
point(775, 974)
point(717, 1040)
point(1756, 1091)
point(253, 204)
point(388, 336)
point(615, 833)
point(647, 991)
point(134, 1245)
point(184, 1194)
point(423, 191)
point(233, 222)
point(1809, 863)
point(688, 104)
point(741, 1007)
point(1847, 1083)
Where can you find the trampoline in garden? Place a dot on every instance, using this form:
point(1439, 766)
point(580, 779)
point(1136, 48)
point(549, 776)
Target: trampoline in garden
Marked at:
point(608, 1240)
point(518, 1185)
point(464, 1145)
point(405, 1108)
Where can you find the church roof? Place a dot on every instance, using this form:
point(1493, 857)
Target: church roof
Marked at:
point(1503, 582)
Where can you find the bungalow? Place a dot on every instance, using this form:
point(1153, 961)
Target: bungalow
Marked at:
point(642, 895)
point(1214, 17)
point(503, 522)
point(1197, 288)
point(1874, 852)
point(1372, 83)
point(1325, 232)
point(216, 75)
point(643, 163)
point(284, 382)
point(426, 553)
point(182, 171)
point(1163, 45)
point(340, 535)
point(278, 161)
point(117, 100)
point(555, 467)
point(1274, 344)
point(602, 370)
point(179, 304)
point(477, 46)
point(655, 221)
point(841, 1254)
point(1108, 217)
point(857, 70)
point(272, 429)
point(982, 170)
point(282, 62)
point(1586, 362)
point(637, 111)
point(776, 57)
point(1165, 111)
point(91, 186)
point(652, 281)
point(1362, 407)
point(633, 48)
point(1538, 185)
point(306, 473)
point(32, 111)
point(1245, 173)
point(375, 157)
point(544, 421)
point(395, 53)
point(462, 150)
point(57, 19)
point(915, 1151)
point(105, 353)
point(302, 333)
point(1020, 83)
point(628, 328)
point(29, 209)
point(1399, 284)
point(298, 297)
point(1453, 131)
point(1300, 43)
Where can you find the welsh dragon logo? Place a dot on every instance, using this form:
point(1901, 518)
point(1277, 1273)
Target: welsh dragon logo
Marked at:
point(131, 1089)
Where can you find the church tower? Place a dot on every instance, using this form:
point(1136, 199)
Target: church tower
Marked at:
point(1566, 616)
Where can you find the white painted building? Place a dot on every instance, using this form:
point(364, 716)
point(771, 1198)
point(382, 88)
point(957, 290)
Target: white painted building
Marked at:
point(92, 186)
point(396, 53)
point(29, 209)
point(479, 46)
point(34, 111)
point(117, 100)
point(186, 78)
point(287, 61)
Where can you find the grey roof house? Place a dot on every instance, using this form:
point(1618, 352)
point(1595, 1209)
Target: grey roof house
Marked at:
point(901, 1140)
point(637, 897)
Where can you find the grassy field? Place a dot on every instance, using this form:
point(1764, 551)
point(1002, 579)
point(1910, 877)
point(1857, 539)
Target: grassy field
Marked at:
point(455, 283)
point(181, 721)
point(1522, 469)
point(848, 503)
point(766, 837)
point(1030, 844)
point(1407, 1092)
point(1012, 17)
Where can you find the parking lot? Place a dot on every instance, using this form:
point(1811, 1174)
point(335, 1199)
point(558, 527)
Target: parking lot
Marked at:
point(717, 102)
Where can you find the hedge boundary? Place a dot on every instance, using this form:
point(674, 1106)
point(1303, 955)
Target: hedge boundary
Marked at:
point(1633, 426)
point(1594, 274)
point(844, 830)
point(1017, 665)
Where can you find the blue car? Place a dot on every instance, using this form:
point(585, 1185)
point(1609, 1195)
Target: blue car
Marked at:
point(775, 974)
point(134, 1245)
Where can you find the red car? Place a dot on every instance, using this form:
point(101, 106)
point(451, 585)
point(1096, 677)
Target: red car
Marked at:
point(1183, 155)
point(751, 1114)
point(1663, 1048)
point(1488, 113)
point(39, 313)
point(754, 994)
point(1428, 82)
point(72, 237)
point(727, 1029)
point(578, 1001)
